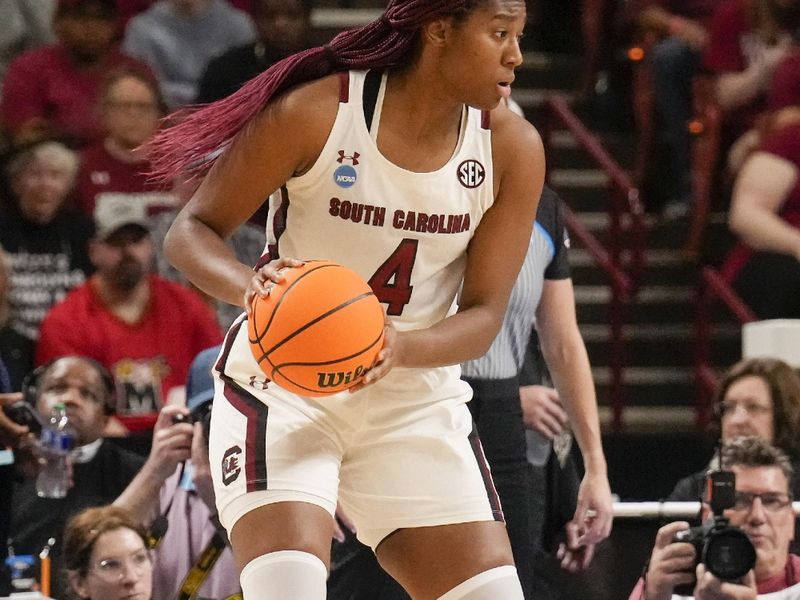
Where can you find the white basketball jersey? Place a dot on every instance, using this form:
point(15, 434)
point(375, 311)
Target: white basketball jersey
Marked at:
point(406, 233)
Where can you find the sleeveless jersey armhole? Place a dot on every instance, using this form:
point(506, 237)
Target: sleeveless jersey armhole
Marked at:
point(344, 87)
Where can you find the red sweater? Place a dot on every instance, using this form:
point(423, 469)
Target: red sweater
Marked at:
point(147, 358)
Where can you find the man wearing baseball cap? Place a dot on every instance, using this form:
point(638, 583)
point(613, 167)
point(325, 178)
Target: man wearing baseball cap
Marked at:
point(144, 329)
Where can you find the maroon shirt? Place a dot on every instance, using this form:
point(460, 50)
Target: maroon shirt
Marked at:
point(147, 358)
point(697, 10)
point(785, 144)
point(45, 83)
point(785, 87)
point(100, 173)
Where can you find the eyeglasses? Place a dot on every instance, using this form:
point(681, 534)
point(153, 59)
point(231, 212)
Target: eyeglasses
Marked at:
point(729, 407)
point(771, 501)
point(113, 569)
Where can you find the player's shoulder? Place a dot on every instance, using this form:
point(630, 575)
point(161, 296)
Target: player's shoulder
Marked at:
point(310, 100)
point(308, 110)
point(514, 138)
point(505, 122)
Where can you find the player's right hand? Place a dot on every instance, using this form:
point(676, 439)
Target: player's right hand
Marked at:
point(264, 278)
point(386, 358)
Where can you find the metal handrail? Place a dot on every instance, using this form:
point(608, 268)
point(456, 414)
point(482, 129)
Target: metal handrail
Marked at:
point(713, 287)
point(664, 510)
point(620, 182)
point(626, 224)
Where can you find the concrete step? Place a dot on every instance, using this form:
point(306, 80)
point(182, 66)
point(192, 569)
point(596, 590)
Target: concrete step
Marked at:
point(664, 345)
point(649, 386)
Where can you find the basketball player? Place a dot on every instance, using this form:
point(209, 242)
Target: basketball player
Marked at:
point(412, 174)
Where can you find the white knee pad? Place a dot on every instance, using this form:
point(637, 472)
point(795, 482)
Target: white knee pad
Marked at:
point(287, 574)
point(500, 582)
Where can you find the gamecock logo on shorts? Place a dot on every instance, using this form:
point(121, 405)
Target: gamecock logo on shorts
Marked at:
point(471, 173)
point(230, 465)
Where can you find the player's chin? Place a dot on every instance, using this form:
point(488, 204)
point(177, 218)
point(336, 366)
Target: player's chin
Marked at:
point(487, 104)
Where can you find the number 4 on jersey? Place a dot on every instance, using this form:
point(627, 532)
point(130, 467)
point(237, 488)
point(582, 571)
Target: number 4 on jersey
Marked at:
point(392, 281)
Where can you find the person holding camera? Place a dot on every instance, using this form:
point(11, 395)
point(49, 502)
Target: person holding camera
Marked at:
point(761, 508)
point(174, 497)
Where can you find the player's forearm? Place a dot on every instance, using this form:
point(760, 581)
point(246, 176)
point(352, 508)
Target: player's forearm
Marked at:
point(460, 337)
point(199, 253)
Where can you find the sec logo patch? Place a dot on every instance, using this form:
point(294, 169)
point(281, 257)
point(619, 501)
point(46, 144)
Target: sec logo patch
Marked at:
point(471, 173)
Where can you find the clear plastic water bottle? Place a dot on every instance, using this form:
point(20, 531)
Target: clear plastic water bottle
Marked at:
point(56, 443)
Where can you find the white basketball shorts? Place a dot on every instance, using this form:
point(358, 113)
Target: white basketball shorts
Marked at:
point(400, 453)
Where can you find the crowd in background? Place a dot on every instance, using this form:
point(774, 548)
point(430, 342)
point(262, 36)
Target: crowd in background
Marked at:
point(89, 304)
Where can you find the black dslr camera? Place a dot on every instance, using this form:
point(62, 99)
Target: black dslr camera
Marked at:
point(199, 414)
point(725, 550)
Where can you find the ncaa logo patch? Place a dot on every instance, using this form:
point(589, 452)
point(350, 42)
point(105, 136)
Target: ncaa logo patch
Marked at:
point(471, 173)
point(231, 466)
point(345, 176)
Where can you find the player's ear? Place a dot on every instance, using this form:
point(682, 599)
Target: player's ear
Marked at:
point(437, 32)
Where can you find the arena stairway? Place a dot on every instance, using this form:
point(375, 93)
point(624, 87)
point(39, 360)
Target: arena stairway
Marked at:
point(659, 386)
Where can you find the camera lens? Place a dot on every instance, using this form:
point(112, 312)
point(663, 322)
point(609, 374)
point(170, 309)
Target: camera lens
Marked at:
point(729, 554)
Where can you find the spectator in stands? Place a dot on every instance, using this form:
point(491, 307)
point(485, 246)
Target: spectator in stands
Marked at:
point(106, 556)
point(747, 40)
point(175, 486)
point(784, 90)
point(11, 434)
point(676, 32)
point(756, 397)
point(762, 509)
point(11, 354)
point(100, 469)
point(46, 243)
point(49, 91)
point(27, 24)
point(765, 214)
point(131, 107)
point(144, 329)
point(177, 38)
point(283, 28)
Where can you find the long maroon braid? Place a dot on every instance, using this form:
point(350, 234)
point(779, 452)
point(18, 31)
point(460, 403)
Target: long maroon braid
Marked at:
point(192, 145)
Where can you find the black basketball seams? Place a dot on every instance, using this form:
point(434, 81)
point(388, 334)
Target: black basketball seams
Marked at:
point(276, 370)
point(278, 304)
point(316, 320)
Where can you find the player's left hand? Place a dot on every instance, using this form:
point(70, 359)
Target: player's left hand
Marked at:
point(386, 358)
point(594, 512)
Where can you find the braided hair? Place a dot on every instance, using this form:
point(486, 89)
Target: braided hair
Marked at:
point(201, 134)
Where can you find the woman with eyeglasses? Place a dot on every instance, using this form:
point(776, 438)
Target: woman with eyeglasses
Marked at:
point(756, 397)
point(106, 556)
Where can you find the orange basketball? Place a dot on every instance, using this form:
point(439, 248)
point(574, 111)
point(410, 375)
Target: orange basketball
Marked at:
point(318, 331)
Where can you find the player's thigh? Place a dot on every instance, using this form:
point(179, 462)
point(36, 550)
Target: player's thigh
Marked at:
point(430, 561)
point(280, 526)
